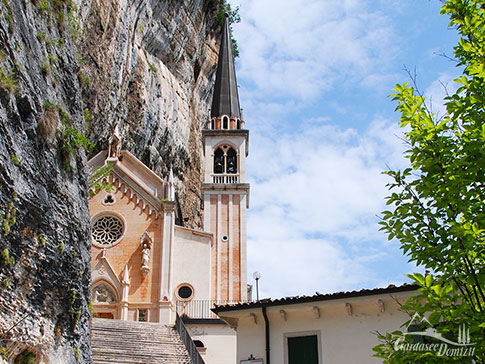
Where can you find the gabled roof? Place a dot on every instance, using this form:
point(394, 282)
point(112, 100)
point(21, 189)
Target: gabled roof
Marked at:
point(132, 177)
point(226, 99)
point(315, 298)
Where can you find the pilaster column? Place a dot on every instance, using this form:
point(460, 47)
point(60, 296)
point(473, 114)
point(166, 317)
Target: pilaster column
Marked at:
point(218, 242)
point(243, 246)
point(166, 262)
point(124, 294)
point(231, 249)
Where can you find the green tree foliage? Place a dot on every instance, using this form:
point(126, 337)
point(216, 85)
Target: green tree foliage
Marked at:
point(225, 8)
point(439, 203)
point(233, 17)
point(99, 179)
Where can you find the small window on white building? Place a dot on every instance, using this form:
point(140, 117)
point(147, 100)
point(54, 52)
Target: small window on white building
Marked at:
point(303, 349)
point(225, 122)
point(185, 292)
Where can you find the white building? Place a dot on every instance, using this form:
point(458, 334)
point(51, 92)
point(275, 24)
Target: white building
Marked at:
point(336, 328)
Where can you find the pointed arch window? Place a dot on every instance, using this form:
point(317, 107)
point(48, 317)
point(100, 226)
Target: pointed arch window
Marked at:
point(225, 122)
point(231, 158)
point(219, 161)
point(225, 160)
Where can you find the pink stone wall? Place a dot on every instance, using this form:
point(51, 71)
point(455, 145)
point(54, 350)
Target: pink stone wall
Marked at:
point(143, 289)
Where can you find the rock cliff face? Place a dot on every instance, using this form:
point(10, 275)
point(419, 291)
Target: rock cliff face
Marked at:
point(73, 69)
point(150, 66)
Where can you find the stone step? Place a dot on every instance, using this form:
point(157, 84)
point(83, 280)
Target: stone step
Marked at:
point(130, 342)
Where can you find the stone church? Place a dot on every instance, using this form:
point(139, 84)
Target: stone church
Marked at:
point(147, 268)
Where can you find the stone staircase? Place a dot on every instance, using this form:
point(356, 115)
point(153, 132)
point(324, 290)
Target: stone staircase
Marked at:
point(130, 342)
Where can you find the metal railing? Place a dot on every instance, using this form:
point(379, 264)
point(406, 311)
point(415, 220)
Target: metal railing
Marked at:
point(200, 309)
point(225, 178)
point(195, 357)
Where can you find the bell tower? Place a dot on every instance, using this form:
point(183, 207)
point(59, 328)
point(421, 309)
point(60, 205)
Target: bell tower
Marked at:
point(225, 191)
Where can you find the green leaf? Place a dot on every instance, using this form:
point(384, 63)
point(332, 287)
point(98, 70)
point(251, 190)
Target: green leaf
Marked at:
point(437, 203)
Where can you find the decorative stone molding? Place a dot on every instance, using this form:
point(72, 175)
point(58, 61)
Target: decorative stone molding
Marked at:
point(184, 292)
point(348, 306)
point(253, 317)
point(107, 229)
point(109, 200)
point(104, 273)
point(283, 315)
point(137, 197)
point(381, 305)
point(103, 293)
point(133, 179)
point(126, 277)
point(316, 312)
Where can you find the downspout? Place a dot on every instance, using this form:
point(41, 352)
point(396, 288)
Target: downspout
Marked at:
point(266, 332)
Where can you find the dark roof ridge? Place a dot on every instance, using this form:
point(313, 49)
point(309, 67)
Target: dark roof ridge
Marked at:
point(267, 302)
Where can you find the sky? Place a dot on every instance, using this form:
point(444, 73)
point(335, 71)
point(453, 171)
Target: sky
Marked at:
point(314, 78)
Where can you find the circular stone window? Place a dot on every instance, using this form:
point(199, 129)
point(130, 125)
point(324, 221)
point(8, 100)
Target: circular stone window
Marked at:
point(107, 230)
point(185, 292)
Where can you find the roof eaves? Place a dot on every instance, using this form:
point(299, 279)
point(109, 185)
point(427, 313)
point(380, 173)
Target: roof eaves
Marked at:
point(315, 298)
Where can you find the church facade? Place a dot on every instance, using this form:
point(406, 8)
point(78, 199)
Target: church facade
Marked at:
point(147, 268)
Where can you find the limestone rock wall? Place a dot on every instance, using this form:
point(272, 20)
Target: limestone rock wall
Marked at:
point(44, 236)
point(75, 68)
point(151, 68)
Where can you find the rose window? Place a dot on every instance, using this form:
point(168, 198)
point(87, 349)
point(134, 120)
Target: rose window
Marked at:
point(107, 231)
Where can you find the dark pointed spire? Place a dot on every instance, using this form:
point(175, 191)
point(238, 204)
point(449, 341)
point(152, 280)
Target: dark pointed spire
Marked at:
point(226, 100)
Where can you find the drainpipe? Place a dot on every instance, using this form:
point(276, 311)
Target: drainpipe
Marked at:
point(266, 332)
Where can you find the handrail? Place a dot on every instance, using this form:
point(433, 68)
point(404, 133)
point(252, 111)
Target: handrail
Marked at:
point(200, 309)
point(195, 357)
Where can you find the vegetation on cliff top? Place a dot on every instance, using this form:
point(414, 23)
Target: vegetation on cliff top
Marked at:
point(233, 17)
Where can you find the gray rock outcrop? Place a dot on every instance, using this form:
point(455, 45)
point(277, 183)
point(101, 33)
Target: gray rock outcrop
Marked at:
point(75, 69)
point(150, 66)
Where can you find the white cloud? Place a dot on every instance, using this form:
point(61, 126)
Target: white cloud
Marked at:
point(312, 222)
point(303, 266)
point(437, 91)
point(301, 48)
point(316, 187)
